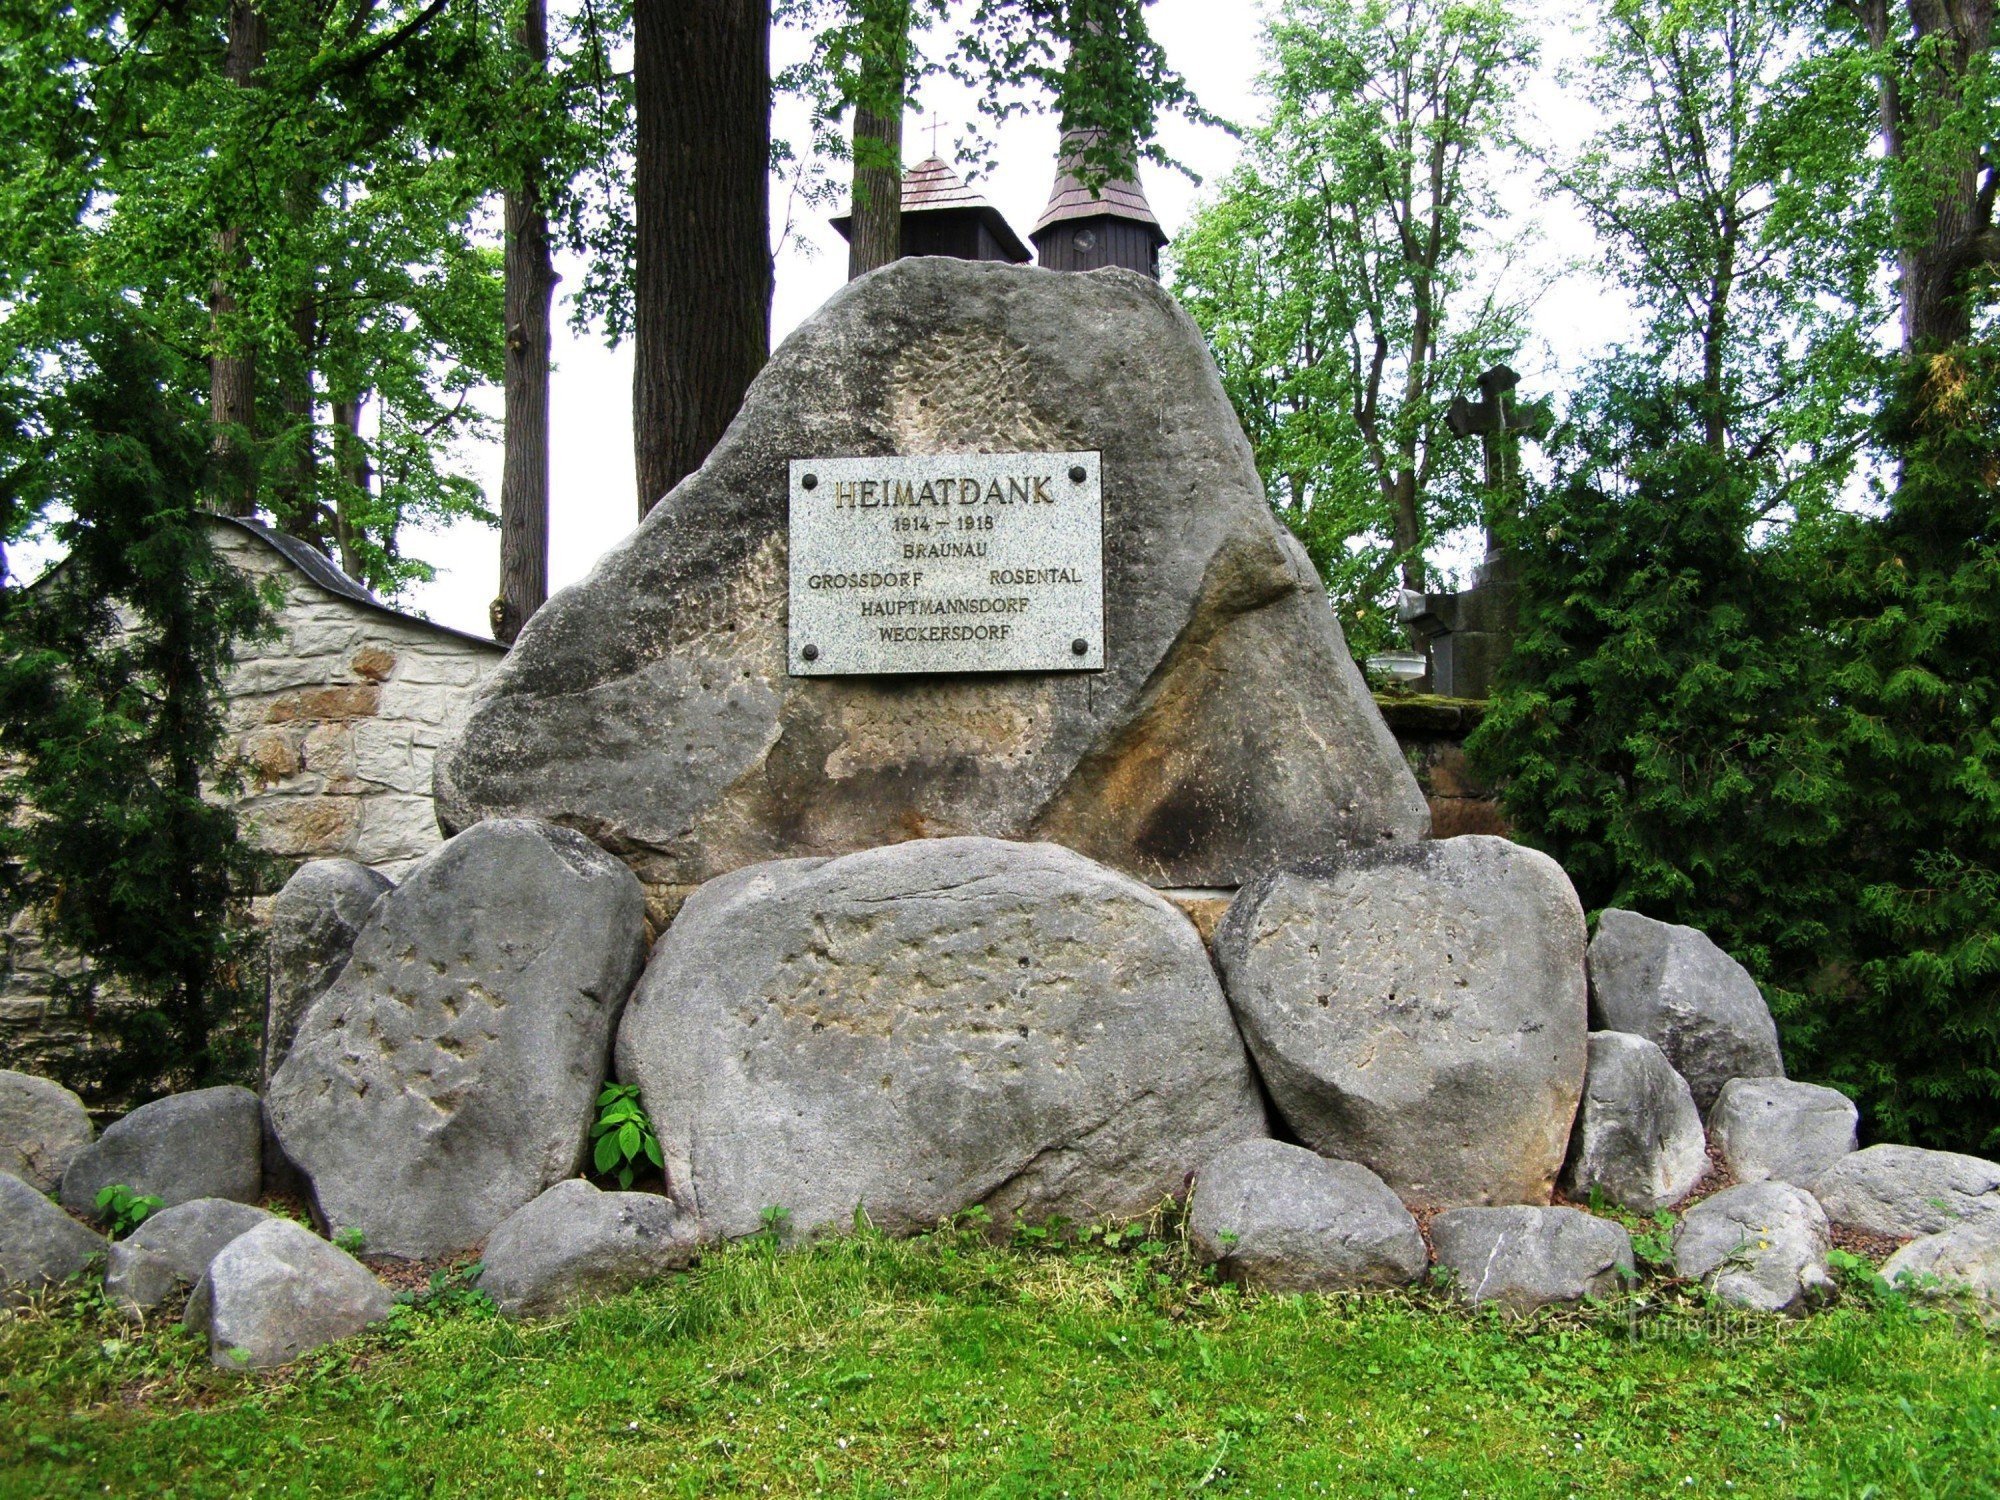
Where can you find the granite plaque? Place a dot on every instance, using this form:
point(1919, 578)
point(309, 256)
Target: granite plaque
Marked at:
point(972, 562)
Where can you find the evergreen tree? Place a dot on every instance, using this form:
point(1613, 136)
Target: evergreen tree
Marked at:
point(111, 711)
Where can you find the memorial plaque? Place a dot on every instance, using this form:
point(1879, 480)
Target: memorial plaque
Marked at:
point(976, 562)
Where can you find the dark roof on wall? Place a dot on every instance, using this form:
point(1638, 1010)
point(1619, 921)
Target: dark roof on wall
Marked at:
point(1118, 198)
point(321, 570)
point(932, 187)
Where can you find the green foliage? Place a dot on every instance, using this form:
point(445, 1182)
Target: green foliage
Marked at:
point(1660, 730)
point(1910, 1022)
point(948, 1365)
point(351, 1239)
point(1349, 282)
point(123, 1210)
point(623, 1135)
point(111, 712)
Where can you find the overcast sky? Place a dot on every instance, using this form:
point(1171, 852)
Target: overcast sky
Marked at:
point(1214, 43)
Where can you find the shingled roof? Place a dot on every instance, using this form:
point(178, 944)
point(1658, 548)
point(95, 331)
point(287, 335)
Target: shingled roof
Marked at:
point(932, 187)
point(1117, 198)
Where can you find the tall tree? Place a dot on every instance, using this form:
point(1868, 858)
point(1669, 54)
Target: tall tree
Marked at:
point(232, 357)
point(1350, 281)
point(1936, 96)
point(701, 242)
point(530, 288)
point(876, 236)
point(111, 696)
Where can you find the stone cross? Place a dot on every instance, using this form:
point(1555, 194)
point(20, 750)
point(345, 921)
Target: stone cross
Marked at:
point(1499, 422)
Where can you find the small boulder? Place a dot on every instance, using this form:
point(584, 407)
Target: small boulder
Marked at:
point(1278, 1216)
point(449, 1075)
point(1420, 1011)
point(1905, 1190)
point(1638, 1138)
point(577, 1244)
point(278, 1291)
point(170, 1251)
point(919, 1028)
point(1520, 1259)
point(1773, 1128)
point(1760, 1245)
point(313, 923)
point(204, 1144)
point(1964, 1259)
point(40, 1245)
point(1674, 986)
point(42, 1127)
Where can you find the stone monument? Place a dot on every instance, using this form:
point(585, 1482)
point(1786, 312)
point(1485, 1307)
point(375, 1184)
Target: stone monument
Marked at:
point(904, 478)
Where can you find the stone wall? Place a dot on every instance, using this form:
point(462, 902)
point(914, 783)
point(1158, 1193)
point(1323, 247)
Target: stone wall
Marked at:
point(1432, 733)
point(335, 721)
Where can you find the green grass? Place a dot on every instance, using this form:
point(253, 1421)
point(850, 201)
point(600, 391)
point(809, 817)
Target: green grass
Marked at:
point(945, 1366)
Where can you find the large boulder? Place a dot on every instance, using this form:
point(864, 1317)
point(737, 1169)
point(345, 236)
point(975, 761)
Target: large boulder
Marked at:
point(1906, 1190)
point(42, 1127)
point(279, 1291)
point(170, 1251)
point(313, 923)
point(650, 705)
point(208, 1143)
point(920, 1028)
point(1760, 1245)
point(1420, 1011)
point(40, 1245)
point(1638, 1138)
point(449, 1074)
point(1675, 987)
point(1774, 1128)
point(576, 1244)
point(1278, 1216)
point(1519, 1259)
point(1964, 1259)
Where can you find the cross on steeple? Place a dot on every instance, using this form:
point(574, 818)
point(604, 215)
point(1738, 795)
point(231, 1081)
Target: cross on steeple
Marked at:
point(934, 132)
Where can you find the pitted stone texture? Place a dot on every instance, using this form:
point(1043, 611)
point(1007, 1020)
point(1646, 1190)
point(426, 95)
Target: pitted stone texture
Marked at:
point(205, 1144)
point(450, 1073)
point(170, 1251)
point(576, 1244)
point(1674, 986)
point(1420, 1011)
point(1638, 1137)
point(1905, 1190)
point(279, 1291)
point(1760, 1245)
point(314, 921)
point(40, 1245)
point(649, 705)
point(1520, 1259)
point(928, 1026)
point(1965, 1259)
point(1286, 1218)
point(1773, 1128)
point(42, 1127)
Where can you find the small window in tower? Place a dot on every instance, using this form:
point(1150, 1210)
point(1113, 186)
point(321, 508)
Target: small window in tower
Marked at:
point(1085, 240)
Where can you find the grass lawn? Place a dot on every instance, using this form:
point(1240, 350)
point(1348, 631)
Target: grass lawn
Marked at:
point(945, 1366)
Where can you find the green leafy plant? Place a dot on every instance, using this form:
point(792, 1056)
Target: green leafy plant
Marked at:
point(623, 1135)
point(350, 1239)
point(124, 1210)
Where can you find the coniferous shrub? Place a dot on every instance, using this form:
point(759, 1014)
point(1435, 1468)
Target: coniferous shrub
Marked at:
point(111, 712)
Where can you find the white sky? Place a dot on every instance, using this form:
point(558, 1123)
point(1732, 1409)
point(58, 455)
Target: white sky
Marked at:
point(1214, 43)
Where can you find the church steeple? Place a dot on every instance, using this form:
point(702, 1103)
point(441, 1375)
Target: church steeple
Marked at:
point(942, 216)
point(1078, 232)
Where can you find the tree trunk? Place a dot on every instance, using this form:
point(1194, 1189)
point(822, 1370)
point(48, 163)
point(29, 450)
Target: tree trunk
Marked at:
point(351, 467)
point(876, 230)
point(295, 505)
point(702, 284)
point(1946, 241)
point(524, 473)
point(232, 375)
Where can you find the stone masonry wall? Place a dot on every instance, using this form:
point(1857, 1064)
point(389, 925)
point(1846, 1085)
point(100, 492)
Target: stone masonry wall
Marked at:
point(335, 721)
